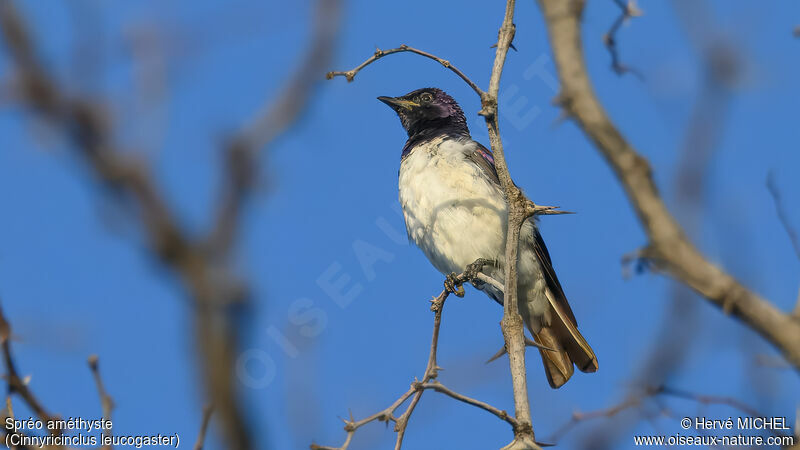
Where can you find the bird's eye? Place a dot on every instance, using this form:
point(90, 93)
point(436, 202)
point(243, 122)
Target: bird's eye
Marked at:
point(426, 97)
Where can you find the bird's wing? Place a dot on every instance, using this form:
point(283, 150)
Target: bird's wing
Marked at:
point(564, 325)
point(483, 158)
point(550, 276)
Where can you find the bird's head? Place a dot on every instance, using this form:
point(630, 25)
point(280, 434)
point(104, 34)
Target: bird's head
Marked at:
point(426, 110)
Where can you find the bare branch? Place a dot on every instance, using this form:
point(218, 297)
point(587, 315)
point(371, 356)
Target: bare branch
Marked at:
point(784, 219)
point(668, 246)
point(772, 186)
point(106, 402)
point(518, 211)
point(16, 384)
point(439, 387)
point(351, 74)
point(419, 386)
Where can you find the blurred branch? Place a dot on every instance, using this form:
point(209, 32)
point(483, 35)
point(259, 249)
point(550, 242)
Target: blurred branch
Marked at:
point(628, 11)
point(418, 387)
point(215, 291)
point(271, 121)
point(668, 246)
point(106, 402)
point(655, 391)
point(669, 350)
point(784, 219)
point(772, 186)
point(208, 410)
point(16, 384)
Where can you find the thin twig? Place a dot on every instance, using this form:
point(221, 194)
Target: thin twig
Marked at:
point(784, 219)
point(106, 402)
point(387, 414)
point(628, 10)
point(16, 384)
point(501, 414)
point(351, 74)
point(419, 386)
point(208, 410)
point(772, 186)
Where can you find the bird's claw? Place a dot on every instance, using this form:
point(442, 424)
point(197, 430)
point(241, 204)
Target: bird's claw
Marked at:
point(472, 270)
point(452, 284)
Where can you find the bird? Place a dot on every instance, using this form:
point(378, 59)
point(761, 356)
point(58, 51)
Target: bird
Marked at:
point(455, 212)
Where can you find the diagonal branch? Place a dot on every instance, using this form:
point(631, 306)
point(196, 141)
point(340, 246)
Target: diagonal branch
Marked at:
point(668, 246)
point(274, 119)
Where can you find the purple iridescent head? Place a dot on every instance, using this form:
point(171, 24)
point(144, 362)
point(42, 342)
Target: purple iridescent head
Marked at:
point(428, 110)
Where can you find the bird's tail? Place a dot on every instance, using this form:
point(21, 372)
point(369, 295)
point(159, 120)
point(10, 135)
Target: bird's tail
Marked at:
point(564, 346)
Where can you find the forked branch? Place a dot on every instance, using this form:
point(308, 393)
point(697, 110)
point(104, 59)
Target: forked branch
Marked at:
point(428, 382)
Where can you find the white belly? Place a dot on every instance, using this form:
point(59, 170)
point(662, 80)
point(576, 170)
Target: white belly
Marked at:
point(455, 215)
point(452, 211)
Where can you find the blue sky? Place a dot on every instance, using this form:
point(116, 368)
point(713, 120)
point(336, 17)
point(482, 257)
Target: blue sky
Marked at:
point(75, 277)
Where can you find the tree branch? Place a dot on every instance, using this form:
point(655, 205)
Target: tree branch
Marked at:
point(16, 384)
point(627, 11)
point(518, 212)
point(106, 402)
point(351, 74)
point(215, 291)
point(668, 246)
point(784, 219)
point(208, 410)
point(419, 386)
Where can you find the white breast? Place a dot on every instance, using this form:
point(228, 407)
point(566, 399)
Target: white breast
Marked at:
point(453, 212)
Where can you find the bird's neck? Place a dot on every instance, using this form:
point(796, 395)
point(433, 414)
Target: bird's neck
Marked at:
point(433, 129)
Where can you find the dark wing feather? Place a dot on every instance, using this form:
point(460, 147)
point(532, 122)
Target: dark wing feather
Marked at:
point(550, 275)
point(483, 158)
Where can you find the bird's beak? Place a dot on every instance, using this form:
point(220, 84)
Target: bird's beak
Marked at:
point(398, 103)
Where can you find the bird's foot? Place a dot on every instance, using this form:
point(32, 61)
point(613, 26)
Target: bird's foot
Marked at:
point(472, 270)
point(453, 284)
